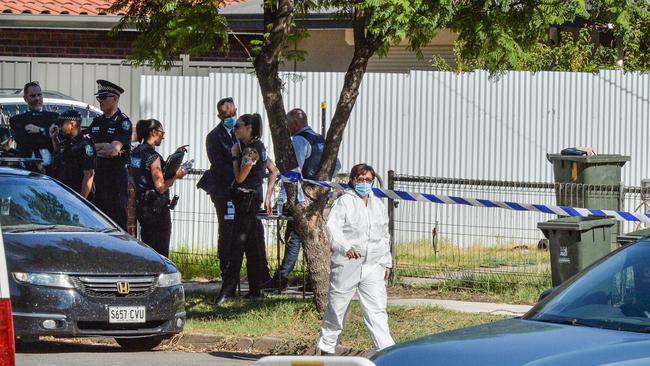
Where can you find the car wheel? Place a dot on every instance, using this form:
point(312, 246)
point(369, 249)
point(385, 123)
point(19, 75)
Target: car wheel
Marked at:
point(140, 344)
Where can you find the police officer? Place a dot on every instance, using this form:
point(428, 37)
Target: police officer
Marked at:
point(217, 180)
point(152, 190)
point(75, 158)
point(250, 163)
point(111, 133)
point(8, 149)
point(31, 128)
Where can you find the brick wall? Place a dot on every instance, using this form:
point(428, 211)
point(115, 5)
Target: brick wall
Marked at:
point(87, 44)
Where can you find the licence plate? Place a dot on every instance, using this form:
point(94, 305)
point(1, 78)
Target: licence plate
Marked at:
point(126, 314)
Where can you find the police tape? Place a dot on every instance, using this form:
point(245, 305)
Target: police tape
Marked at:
point(295, 177)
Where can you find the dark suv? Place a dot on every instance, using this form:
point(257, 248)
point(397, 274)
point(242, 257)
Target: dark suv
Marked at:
point(73, 272)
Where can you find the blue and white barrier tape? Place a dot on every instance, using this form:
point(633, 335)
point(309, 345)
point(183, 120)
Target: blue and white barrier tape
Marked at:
point(477, 202)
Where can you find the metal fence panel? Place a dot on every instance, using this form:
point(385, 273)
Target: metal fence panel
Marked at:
point(435, 123)
point(76, 77)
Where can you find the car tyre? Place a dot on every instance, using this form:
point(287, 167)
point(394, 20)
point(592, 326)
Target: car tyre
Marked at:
point(140, 344)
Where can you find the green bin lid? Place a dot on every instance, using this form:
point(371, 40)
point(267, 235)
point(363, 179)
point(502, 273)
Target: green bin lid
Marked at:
point(591, 159)
point(576, 223)
point(635, 235)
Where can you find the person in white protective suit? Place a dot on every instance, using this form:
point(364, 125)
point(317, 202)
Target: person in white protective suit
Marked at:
point(357, 228)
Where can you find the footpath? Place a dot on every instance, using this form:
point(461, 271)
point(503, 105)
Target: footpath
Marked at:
point(271, 345)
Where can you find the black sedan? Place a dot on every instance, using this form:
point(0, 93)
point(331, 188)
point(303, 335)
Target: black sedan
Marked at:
point(76, 273)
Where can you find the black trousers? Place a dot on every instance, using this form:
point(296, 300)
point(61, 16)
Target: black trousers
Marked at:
point(156, 231)
point(112, 194)
point(225, 242)
point(248, 238)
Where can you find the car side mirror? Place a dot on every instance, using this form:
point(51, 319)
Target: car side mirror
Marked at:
point(545, 294)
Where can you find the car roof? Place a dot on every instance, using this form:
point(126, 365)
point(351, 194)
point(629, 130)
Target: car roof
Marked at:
point(18, 93)
point(4, 170)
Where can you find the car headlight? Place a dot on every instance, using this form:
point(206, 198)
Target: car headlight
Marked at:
point(169, 279)
point(44, 279)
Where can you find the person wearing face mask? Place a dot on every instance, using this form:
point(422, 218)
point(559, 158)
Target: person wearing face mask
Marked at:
point(357, 229)
point(31, 128)
point(216, 181)
point(151, 188)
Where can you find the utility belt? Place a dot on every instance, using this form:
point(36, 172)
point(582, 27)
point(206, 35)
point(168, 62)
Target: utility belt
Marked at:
point(153, 203)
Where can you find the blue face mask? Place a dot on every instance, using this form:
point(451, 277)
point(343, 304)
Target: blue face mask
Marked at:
point(230, 122)
point(363, 189)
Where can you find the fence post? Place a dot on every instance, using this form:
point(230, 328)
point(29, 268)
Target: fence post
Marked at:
point(185, 65)
point(391, 225)
point(323, 116)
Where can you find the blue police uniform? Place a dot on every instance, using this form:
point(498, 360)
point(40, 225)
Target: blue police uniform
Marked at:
point(155, 219)
point(111, 175)
point(248, 229)
point(217, 182)
point(75, 155)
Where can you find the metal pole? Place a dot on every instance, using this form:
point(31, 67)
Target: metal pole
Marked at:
point(323, 109)
point(391, 224)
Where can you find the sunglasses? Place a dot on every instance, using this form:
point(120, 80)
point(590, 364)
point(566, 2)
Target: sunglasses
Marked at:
point(35, 95)
point(103, 97)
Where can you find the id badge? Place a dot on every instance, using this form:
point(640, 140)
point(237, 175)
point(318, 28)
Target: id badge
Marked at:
point(230, 212)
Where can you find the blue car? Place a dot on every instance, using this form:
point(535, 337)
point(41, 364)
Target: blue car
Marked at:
point(600, 316)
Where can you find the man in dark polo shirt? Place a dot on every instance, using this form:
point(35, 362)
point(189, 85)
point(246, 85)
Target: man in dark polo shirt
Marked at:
point(31, 129)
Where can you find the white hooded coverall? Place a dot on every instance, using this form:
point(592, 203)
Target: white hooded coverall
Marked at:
point(352, 224)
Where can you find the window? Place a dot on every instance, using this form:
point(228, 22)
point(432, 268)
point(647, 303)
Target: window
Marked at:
point(28, 201)
point(614, 294)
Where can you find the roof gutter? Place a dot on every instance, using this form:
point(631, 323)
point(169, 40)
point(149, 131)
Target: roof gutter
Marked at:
point(238, 23)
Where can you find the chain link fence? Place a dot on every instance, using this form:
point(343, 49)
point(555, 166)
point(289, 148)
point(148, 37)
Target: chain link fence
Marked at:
point(463, 245)
point(458, 245)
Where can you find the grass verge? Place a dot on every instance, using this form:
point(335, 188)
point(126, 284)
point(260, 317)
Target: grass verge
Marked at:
point(298, 321)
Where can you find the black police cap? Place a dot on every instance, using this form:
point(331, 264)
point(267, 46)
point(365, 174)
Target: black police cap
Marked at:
point(5, 134)
point(69, 115)
point(107, 88)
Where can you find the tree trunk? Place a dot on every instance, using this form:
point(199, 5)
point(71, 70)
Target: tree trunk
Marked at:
point(308, 216)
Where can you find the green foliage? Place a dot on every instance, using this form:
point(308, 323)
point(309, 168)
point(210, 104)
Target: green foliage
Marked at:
point(169, 28)
point(512, 35)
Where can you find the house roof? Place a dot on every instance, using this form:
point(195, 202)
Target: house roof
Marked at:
point(66, 7)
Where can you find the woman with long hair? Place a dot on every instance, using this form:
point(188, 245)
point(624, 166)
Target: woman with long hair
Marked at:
point(151, 187)
point(250, 164)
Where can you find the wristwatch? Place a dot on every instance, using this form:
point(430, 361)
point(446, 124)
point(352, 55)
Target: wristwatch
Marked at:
point(234, 158)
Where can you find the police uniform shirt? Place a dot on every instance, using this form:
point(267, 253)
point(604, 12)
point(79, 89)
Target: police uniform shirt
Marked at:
point(75, 155)
point(106, 129)
point(30, 143)
point(256, 175)
point(141, 159)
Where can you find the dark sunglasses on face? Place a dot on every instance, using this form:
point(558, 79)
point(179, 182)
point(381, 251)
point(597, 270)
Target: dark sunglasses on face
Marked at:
point(103, 97)
point(35, 95)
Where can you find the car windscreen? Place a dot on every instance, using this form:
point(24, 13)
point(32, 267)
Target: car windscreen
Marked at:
point(614, 294)
point(41, 204)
